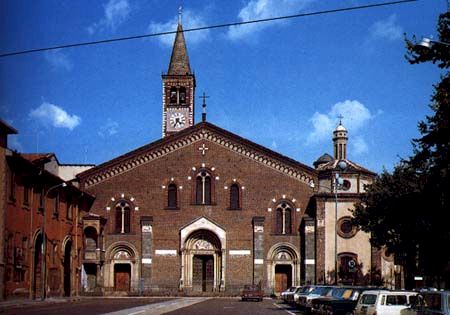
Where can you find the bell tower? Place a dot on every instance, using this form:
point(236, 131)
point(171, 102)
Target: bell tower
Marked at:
point(340, 139)
point(178, 89)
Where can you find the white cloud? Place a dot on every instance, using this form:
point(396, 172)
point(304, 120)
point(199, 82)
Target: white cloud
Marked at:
point(58, 60)
point(56, 116)
point(359, 145)
point(115, 13)
point(262, 9)
point(14, 143)
point(190, 20)
point(108, 129)
point(387, 29)
point(355, 116)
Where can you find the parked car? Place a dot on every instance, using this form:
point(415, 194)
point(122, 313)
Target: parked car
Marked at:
point(304, 301)
point(430, 303)
point(340, 301)
point(252, 292)
point(384, 302)
point(292, 299)
point(289, 291)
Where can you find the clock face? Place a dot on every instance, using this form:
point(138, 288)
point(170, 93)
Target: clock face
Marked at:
point(177, 120)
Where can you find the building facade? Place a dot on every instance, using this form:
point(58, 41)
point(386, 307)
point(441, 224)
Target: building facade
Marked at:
point(205, 210)
point(42, 229)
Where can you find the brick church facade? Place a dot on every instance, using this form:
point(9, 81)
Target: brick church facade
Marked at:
point(205, 210)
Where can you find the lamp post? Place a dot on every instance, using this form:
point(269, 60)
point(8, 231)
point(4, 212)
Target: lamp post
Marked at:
point(338, 181)
point(44, 243)
point(428, 42)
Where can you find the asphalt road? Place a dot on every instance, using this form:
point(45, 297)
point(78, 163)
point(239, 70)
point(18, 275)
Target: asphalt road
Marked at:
point(87, 306)
point(235, 307)
point(151, 306)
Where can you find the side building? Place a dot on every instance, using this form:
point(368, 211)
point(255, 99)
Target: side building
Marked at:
point(42, 229)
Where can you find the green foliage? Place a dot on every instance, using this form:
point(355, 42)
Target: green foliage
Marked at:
point(406, 211)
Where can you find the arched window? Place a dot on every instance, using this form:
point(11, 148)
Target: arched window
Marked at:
point(234, 197)
point(182, 95)
point(283, 219)
point(123, 219)
point(172, 196)
point(173, 95)
point(203, 188)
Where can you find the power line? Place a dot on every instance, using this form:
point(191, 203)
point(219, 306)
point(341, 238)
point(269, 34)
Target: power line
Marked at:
point(206, 27)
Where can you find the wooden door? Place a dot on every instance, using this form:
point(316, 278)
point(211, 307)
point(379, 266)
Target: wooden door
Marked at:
point(283, 277)
point(208, 273)
point(122, 274)
point(203, 273)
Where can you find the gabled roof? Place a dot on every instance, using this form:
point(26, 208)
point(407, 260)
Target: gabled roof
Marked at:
point(351, 167)
point(179, 61)
point(201, 131)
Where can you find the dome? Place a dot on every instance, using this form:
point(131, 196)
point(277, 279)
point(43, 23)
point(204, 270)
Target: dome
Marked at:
point(340, 128)
point(323, 160)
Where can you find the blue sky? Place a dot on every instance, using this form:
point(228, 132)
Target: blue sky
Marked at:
point(280, 84)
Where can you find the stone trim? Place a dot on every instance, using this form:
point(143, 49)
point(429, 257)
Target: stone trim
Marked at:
point(201, 135)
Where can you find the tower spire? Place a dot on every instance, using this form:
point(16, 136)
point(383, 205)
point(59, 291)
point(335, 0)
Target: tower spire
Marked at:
point(178, 87)
point(179, 61)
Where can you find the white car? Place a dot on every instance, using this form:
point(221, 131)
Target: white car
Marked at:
point(384, 302)
point(289, 291)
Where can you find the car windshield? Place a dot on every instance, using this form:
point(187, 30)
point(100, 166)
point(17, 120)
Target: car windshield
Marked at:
point(336, 292)
point(320, 290)
point(251, 287)
point(396, 300)
point(368, 299)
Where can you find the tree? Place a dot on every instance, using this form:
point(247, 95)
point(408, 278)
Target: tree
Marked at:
point(406, 211)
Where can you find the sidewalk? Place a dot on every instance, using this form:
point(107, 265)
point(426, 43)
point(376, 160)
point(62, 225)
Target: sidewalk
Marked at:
point(18, 302)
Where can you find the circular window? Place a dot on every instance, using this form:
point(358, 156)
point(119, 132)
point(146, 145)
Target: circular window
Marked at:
point(346, 229)
point(346, 185)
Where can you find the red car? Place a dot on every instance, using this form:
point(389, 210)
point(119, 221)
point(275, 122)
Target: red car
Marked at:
point(252, 292)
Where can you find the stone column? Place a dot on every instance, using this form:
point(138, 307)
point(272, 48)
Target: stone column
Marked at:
point(258, 250)
point(310, 259)
point(146, 263)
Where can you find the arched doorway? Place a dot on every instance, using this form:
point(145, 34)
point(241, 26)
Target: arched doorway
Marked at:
point(202, 261)
point(67, 267)
point(283, 268)
point(37, 267)
point(121, 271)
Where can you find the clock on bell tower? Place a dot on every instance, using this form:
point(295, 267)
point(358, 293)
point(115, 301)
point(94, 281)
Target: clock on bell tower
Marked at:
point(178, 89)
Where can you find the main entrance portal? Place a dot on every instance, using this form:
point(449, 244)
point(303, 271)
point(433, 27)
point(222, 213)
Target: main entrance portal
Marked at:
point(203, 273)
point(202, 262)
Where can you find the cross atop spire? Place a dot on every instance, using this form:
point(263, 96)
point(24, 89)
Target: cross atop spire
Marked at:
point(180, 13)
point(204, 97)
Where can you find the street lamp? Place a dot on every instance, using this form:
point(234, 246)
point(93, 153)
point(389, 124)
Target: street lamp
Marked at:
point(44, 243)
point(428, 42)
point(338, 183)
